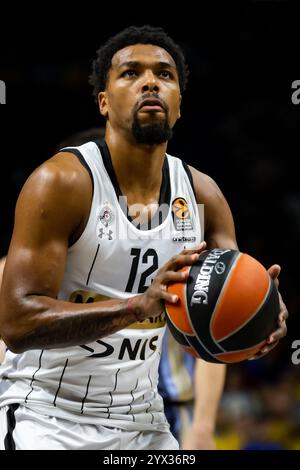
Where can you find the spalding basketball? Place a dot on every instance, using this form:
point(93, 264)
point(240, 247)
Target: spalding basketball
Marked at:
point(227, 308)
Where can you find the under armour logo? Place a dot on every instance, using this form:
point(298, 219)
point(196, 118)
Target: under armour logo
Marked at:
point(103, 234)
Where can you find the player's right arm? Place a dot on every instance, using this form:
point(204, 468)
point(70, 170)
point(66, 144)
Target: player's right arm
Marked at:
point(51, 210)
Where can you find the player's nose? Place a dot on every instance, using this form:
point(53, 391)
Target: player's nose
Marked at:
point(150, 82)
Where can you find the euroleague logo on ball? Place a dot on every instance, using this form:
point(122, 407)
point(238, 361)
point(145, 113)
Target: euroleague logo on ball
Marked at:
point(201, 288)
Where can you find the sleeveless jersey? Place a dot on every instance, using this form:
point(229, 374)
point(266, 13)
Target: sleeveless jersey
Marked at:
point(111, 381)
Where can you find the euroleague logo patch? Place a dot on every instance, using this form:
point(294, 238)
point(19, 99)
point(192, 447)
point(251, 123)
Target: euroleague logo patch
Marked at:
point(181, 215)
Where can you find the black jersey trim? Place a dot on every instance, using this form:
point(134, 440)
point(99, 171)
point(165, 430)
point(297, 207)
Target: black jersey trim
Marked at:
point(82, 160)
point(60, 380)
point(164, 195)
point(33, 377)
point(87, 348)
point(111, 393)
point(9, 443)
point(130, 404)
point(86, 393)
point(148, 401)
point(190, 176)
point(105, 153)
point(116, 380)
point(96, 254)
point(84, 163)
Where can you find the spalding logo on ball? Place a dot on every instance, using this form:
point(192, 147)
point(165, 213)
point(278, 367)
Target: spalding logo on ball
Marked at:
point(227, 308)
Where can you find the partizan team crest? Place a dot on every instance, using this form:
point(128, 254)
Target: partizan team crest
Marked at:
point(106, 217)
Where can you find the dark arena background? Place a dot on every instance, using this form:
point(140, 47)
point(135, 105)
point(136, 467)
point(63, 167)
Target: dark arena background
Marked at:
point(240, 124)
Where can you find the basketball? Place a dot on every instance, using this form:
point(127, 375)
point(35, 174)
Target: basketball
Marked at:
point(226, 309)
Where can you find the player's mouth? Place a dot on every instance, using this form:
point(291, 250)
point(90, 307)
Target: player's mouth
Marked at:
point(151, 105)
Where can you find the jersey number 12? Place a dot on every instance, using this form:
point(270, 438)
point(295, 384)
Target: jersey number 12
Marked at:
point(136, 253)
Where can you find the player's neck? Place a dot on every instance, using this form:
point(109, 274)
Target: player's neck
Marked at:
point(138, 167)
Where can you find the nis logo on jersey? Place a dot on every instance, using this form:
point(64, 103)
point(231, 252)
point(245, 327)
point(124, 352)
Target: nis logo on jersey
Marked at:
point(127, 349)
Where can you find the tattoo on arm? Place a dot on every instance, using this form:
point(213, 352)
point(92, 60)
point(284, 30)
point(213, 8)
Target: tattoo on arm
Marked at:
point(72, 329)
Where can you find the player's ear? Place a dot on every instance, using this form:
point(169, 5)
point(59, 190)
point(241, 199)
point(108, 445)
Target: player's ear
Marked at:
point(179, 108)
point(102, 100)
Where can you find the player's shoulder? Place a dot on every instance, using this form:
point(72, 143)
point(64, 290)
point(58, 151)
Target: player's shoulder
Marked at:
point(206, 188)
point(61, 183)
point(62, 172)
point(64, 166)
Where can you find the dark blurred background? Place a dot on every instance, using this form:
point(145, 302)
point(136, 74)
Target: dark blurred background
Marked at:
point(238, 124)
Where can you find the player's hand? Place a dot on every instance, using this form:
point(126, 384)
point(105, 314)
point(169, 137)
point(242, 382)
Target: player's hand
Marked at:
point(199, 439)
point(150, 304)
point(281, 331)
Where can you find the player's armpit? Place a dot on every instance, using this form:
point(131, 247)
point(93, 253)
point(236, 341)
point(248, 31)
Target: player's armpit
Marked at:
point(219, 230)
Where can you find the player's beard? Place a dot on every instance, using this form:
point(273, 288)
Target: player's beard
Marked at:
point(153, 133)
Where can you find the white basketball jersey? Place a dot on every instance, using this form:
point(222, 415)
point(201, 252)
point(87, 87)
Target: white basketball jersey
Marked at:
point(112, 381)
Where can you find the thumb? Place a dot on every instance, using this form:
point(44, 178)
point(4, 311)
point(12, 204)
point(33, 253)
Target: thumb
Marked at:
point(274, 272)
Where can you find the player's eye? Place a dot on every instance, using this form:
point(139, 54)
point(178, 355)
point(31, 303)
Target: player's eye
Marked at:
point(129, 73)
point(165, 74)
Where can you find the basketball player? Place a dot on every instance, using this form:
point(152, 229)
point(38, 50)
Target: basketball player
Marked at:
point(191, 388)
point(181, 377)
point(87, 271)
point(2, 345)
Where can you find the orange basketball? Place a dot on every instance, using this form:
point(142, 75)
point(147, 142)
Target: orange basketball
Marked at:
point(227, 308)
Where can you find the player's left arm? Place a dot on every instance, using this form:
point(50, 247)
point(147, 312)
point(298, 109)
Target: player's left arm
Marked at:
point(219, 232)
point(209, 384)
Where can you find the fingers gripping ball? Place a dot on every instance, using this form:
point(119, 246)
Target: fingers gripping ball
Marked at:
point(227, 308)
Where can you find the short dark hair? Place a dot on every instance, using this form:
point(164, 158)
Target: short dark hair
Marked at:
point(135, 35)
